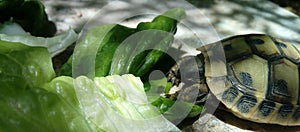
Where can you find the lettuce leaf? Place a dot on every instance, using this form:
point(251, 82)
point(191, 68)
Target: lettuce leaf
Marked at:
point(119, 103)
point(33, 100)
point(21, 63)
point(63, 111)
point(142, 50)
point(102, 40)
point(29, 101)
point(112, 103)
point(22, 68)
point(82, 104)
point(114, 49)
point(12, 32)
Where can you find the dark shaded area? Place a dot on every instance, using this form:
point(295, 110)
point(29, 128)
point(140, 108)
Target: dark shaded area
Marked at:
point(291, 5)
point(29, 14)
point(202, 3)
point(62, 58)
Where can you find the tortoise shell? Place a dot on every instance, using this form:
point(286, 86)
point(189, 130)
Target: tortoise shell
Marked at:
point(257, 80)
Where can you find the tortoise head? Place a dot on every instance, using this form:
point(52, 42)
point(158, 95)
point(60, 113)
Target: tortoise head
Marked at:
point(189, 70)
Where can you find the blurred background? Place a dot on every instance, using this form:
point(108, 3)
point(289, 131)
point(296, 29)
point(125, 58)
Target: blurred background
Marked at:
point(229, 17)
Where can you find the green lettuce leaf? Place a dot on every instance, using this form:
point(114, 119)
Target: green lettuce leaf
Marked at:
point(63, 110)
point(22, 68)
point(114, 49)
point(102, 40)
point(33, 100)
point(166, 106)
point(119, 103)
point(12, 32)
point(142, 50)
point(136, 55)
point(28, 101)
point(21, 63)
point(38, 109)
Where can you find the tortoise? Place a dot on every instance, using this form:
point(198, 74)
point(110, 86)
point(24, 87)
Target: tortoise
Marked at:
point(257, 80)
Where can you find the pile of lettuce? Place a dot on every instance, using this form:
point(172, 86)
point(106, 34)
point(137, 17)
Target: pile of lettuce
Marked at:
point(33, 99)
point(108, 95)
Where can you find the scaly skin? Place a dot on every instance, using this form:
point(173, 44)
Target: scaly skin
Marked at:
point(190, 71)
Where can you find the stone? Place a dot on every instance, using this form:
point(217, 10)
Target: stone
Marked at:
point(210, 123)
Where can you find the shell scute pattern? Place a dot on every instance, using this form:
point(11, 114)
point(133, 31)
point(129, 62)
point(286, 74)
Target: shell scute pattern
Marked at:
point(263, 77)
point(245, 103)
point(246, 78)
point(230, 94)
point(297, 113)
point(266, 107)
point(285, 110)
